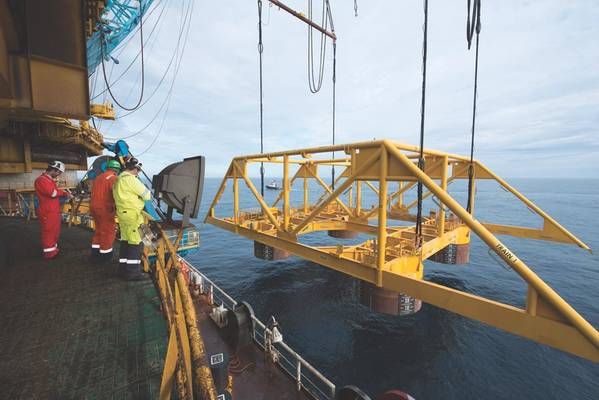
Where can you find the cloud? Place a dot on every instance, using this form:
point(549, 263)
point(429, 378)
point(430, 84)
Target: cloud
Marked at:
point(538, 87)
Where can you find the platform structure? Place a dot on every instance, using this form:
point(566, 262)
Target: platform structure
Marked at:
point(391, 260)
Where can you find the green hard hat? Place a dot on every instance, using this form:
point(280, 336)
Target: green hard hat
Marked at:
point(114, 164)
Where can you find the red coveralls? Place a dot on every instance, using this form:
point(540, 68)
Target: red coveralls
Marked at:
point(49, 213)
point(103, 211)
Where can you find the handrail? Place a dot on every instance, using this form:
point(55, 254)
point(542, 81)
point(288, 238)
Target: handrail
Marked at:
point(259, 329)
point(298, 359)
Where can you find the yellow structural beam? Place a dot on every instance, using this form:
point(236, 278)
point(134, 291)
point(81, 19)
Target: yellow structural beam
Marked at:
point(185, 358)
point(389, 258)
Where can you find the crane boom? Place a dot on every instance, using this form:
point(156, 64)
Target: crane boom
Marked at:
point(119, 18)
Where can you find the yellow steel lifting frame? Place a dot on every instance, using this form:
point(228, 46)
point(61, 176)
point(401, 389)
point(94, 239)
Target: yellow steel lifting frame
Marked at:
point(390, 259)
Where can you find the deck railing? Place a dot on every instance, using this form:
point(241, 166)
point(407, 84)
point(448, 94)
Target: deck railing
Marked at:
point(306, 376)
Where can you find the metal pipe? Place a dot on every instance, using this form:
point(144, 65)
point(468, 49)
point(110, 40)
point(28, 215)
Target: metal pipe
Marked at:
point(303, 18)
point(338, 161)
point(305, 195)
point(305, 363)
point(264, 206)
point(441, 218)
point(235, 197)
point(382, 233)
point(533, 206)
point(337, 192)
point(328, 189)
point(358, 198)
point(286, 193)
point(221, 189)
point(503, 252)
point(350, 197)
point(314, 150)
point(400, 195)
point(280, 195)
point(371, 186)
point(472, 194)
point(358, 145)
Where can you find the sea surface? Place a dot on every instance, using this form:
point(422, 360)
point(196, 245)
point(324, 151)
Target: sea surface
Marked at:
point(433, 354)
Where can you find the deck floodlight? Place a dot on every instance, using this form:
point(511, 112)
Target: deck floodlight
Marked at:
point(180, 186)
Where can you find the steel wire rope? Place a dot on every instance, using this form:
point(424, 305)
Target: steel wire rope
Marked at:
point(355, 8)
point(175, 73)
point(186, 22)
point(104, 82)
point(148, 98)
point(159, 130)
point(122, 48)
point(315, 85)
point(334, 105)
point(267, 23)
point(168, 100)
point(418, 236)
point(147, 41)
point(473, 26)
point(261, 73)
point(141, 36)
point(104, 97)
point(334, 99)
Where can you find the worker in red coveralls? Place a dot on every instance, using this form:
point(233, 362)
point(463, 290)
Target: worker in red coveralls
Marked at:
point(49, 217)
point(103, 211)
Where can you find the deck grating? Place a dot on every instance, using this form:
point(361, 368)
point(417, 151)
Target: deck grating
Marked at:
point(70, 329)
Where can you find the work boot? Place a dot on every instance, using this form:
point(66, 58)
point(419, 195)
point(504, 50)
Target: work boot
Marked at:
point(134, 268)
point(105, 258)
point(94, 255)
point(123, 257)
point(55, 256)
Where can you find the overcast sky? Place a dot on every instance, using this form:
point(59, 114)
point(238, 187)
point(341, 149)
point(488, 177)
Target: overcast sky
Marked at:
point(538, 109)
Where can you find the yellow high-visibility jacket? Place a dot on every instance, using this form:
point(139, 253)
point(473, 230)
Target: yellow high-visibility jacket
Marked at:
point(129, 193)
point(129, 197)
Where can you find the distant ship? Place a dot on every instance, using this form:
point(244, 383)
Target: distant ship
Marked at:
point(274, 185)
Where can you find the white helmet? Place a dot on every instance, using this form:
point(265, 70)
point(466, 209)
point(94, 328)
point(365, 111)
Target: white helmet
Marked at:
point(59, 165)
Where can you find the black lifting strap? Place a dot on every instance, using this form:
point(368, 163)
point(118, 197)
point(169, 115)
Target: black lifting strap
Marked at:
point(260, 49)
point(418, 237)
point(473, 26)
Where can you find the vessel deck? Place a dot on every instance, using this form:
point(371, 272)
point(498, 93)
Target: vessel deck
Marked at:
point(70, 329)
point(257, 378)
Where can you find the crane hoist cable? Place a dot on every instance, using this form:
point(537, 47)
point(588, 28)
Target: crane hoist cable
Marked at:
point(175, 73)
point(123, 46)
point(418, 236)
point(260, 50)
point(473, 26)
point(141, 94)
point(334, 106)
point(184, 18)
point(179, 50)
point(355, 8)
point(315, 84)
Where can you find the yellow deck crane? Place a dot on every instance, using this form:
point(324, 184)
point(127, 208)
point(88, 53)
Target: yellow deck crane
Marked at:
point(391, 262)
